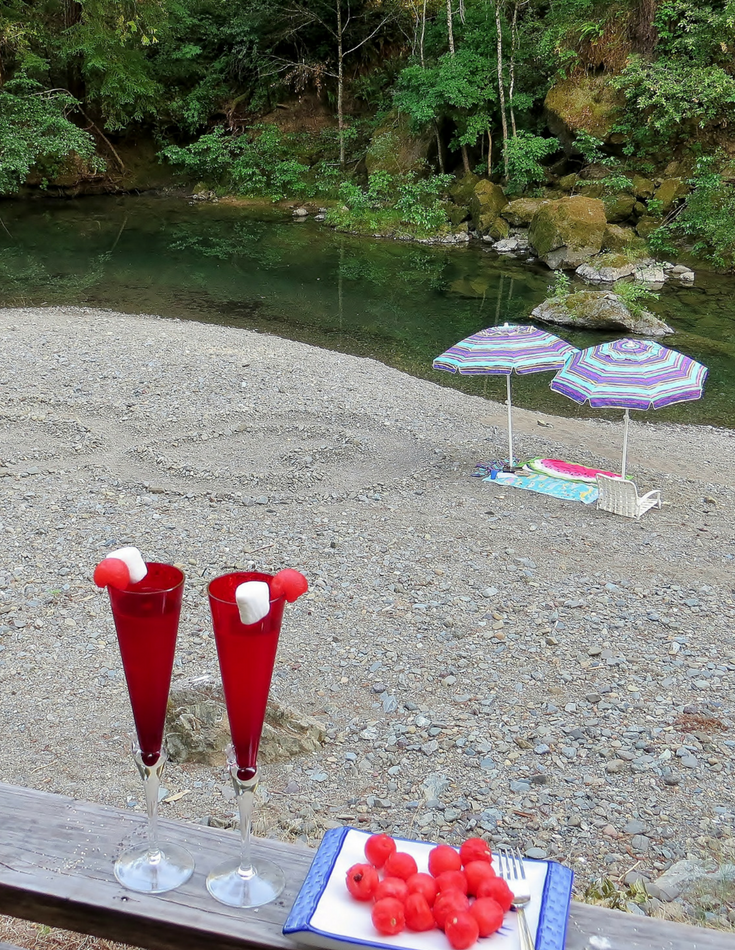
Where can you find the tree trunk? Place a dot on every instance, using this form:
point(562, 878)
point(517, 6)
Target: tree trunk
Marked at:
point(489, 153)
point(340, 86)
point(439, 152)
point(512, 67)
point(501, 88)
point(423, 34)
point(465, 160)
point(450, 29)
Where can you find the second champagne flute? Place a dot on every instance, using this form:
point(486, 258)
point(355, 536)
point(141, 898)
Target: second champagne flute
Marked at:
point(246, 653)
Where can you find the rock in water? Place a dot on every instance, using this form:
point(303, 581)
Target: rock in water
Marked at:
point(197, 729)
point(598, 310)
point(568, 232)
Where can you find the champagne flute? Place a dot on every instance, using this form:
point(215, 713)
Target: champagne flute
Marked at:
point(246, 654)
point(146, 616)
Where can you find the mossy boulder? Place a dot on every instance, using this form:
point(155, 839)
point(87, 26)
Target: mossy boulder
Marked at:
point(583, 102)
point(568, 182)
point(488, 200)
point(616, 238)
point(598, 310)
point(461, 191)
point(519, 213)
point(670, 191)
point(591, 189)
point(568, 232)
point(618, 207)
point(457, 213)
point(646, 226)
point(642, 187)
point(395, 149)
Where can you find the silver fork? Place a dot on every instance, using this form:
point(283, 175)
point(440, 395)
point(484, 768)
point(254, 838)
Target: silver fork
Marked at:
point(510, 867)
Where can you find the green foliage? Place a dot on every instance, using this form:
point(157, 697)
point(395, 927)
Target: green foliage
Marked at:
point(616, 183)
point(591, 148)
point(707, 220)
point(395, 204)
point(524, 154)
point(37, 134)
point(259, 163)
point(562, 286)
point(635, 296)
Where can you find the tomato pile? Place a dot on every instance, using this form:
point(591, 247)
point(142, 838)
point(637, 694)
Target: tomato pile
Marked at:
point(461, 893)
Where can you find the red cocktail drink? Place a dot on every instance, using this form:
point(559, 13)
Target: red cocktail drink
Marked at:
point(246, 655)
point(146, 618)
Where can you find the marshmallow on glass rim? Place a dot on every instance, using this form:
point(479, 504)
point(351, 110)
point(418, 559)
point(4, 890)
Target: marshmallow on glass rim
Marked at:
point(121, 568)
point(253, 600)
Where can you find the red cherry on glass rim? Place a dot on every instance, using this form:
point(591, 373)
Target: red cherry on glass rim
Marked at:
point(388, 916)
point(392, 887)
point(378, 848)
point(489, 915)
point(443, 858)
point(288, 583)
point(496, 888)
point(452, 881)
point(418, 914)
point(462, 930)
point(400, 864)
point(476, 872)
point(448, 904)
point(362, 880)
point(423, 884)
point(475, 849)
point(112, 572)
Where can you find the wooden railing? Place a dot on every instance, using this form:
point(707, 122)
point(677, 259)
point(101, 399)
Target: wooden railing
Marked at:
point(56, 857)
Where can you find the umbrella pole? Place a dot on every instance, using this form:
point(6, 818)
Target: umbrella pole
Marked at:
point(625, 441)
point(510, 426)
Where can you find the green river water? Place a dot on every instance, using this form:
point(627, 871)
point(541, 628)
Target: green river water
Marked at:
point(397, 302)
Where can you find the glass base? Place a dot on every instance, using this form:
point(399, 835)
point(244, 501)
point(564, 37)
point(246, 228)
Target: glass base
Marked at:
point(229, 886)
point(136, 870)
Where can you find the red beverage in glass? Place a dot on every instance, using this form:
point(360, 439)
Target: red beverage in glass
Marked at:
point(246, 655)
point(146, 618)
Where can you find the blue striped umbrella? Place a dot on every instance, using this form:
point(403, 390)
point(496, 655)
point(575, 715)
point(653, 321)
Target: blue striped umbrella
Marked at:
point(498, 351)
point(630, 374)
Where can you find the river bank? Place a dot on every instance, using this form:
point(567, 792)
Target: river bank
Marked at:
point(522, 667)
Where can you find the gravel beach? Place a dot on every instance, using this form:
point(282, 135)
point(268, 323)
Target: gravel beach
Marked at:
point(484, 660)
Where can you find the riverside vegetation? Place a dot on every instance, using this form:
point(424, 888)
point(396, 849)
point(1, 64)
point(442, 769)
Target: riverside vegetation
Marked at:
point(412, 118)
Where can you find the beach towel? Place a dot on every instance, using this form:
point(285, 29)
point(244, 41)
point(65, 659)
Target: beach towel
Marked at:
point(546, 485)
point(557, 468)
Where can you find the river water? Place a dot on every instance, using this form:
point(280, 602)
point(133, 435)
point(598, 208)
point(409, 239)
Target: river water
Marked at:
point(397, 302)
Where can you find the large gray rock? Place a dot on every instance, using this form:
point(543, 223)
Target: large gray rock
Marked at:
point(568, 232)
point(197, 729)
point(605, 273)
point(598, 310)
point(519, 213)
point(679, 877)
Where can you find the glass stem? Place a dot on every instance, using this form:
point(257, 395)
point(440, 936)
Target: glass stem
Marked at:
point(151, 775)
point(245, 793)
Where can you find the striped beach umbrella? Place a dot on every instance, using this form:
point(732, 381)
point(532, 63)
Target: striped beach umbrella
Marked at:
point(499, 351)
point(630, 374)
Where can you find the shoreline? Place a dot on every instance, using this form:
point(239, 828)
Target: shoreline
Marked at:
point(520, 667)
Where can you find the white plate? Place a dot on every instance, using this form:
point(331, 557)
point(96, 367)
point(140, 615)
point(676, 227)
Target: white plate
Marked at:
point(325, 915)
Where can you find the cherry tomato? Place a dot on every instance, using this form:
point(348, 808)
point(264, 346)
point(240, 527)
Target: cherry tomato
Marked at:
point(475, 849)
point(418, 913)
point(392, 887)
point(388, 916)
point(423, 884)
point(362, 880)
point(443, 858)
point(400, 864)
point(476, 872)
point(452, 881)
point(378, 848)
point(496, 888)
point(489, 915)
point(447, 904)
point(462, 930)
